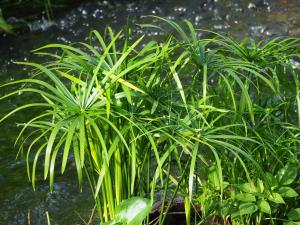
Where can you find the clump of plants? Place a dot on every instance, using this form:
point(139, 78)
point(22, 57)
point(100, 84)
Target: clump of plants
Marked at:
point(211, 120)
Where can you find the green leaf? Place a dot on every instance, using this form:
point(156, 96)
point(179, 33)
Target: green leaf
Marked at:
point(288, 192)
point(287, 174)
point(271, 180)
point(292, 223)
point(50, 144)
point(176, 77)
point(4, 25)
point(294, 214)
point(248, 187)
point(192, 170)
point(245, 197)
point(275, 197)
point(67, 146)
point(113, 222)
point(260, 186)
point(264, 206)
point(213, 177)
point(133, 211)
point(246, 209)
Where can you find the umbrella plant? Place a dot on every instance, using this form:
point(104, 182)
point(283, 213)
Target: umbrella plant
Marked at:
point(139, 117)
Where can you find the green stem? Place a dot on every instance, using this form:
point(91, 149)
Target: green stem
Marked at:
point(175, 192)
point(204, 84)
point(165, 194)
point(91, 179)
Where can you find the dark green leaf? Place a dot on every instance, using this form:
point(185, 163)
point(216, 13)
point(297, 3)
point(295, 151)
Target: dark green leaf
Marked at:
point(246, 209)
point(294, 214)
point(271, 180)
point(292, 223)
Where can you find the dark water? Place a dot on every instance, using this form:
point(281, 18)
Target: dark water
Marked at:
point(240, 18)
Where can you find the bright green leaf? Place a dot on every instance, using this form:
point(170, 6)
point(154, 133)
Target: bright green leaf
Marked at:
point(287, 174)
point(288, 192)
point(245, 197)
point(264, 206)
point(133, 211)
point(275, 197)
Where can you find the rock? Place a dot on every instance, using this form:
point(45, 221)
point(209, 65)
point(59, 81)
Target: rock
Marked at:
point(251, 6)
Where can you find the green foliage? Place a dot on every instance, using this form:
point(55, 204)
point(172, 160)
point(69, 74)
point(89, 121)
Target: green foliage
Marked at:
point(294, 214)
point(213, 120)
point(6, 27)
point(131, 211)
point(254, 200)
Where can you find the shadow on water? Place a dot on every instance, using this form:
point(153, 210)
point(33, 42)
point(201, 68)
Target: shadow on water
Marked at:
point(240, 18)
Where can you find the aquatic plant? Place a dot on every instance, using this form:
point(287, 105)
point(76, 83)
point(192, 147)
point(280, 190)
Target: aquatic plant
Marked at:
point(190, 116)
point(4, 26)
point(131, 211)
point(250, 81)
point(11, 5)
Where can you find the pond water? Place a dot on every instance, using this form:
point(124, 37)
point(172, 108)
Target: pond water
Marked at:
point(67, 205)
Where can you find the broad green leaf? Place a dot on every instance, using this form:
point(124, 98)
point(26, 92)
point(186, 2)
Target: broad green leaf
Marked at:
point(275, 197)
point(245, 197)
point(294, 214)
point(248, 187)
point(213, 177)
point(264, 206)
point(291, 223)
point(245, 209)
point(260, 186)
point(287, 174)
point(133, 211)
point(288, 192)
point(271, 180)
